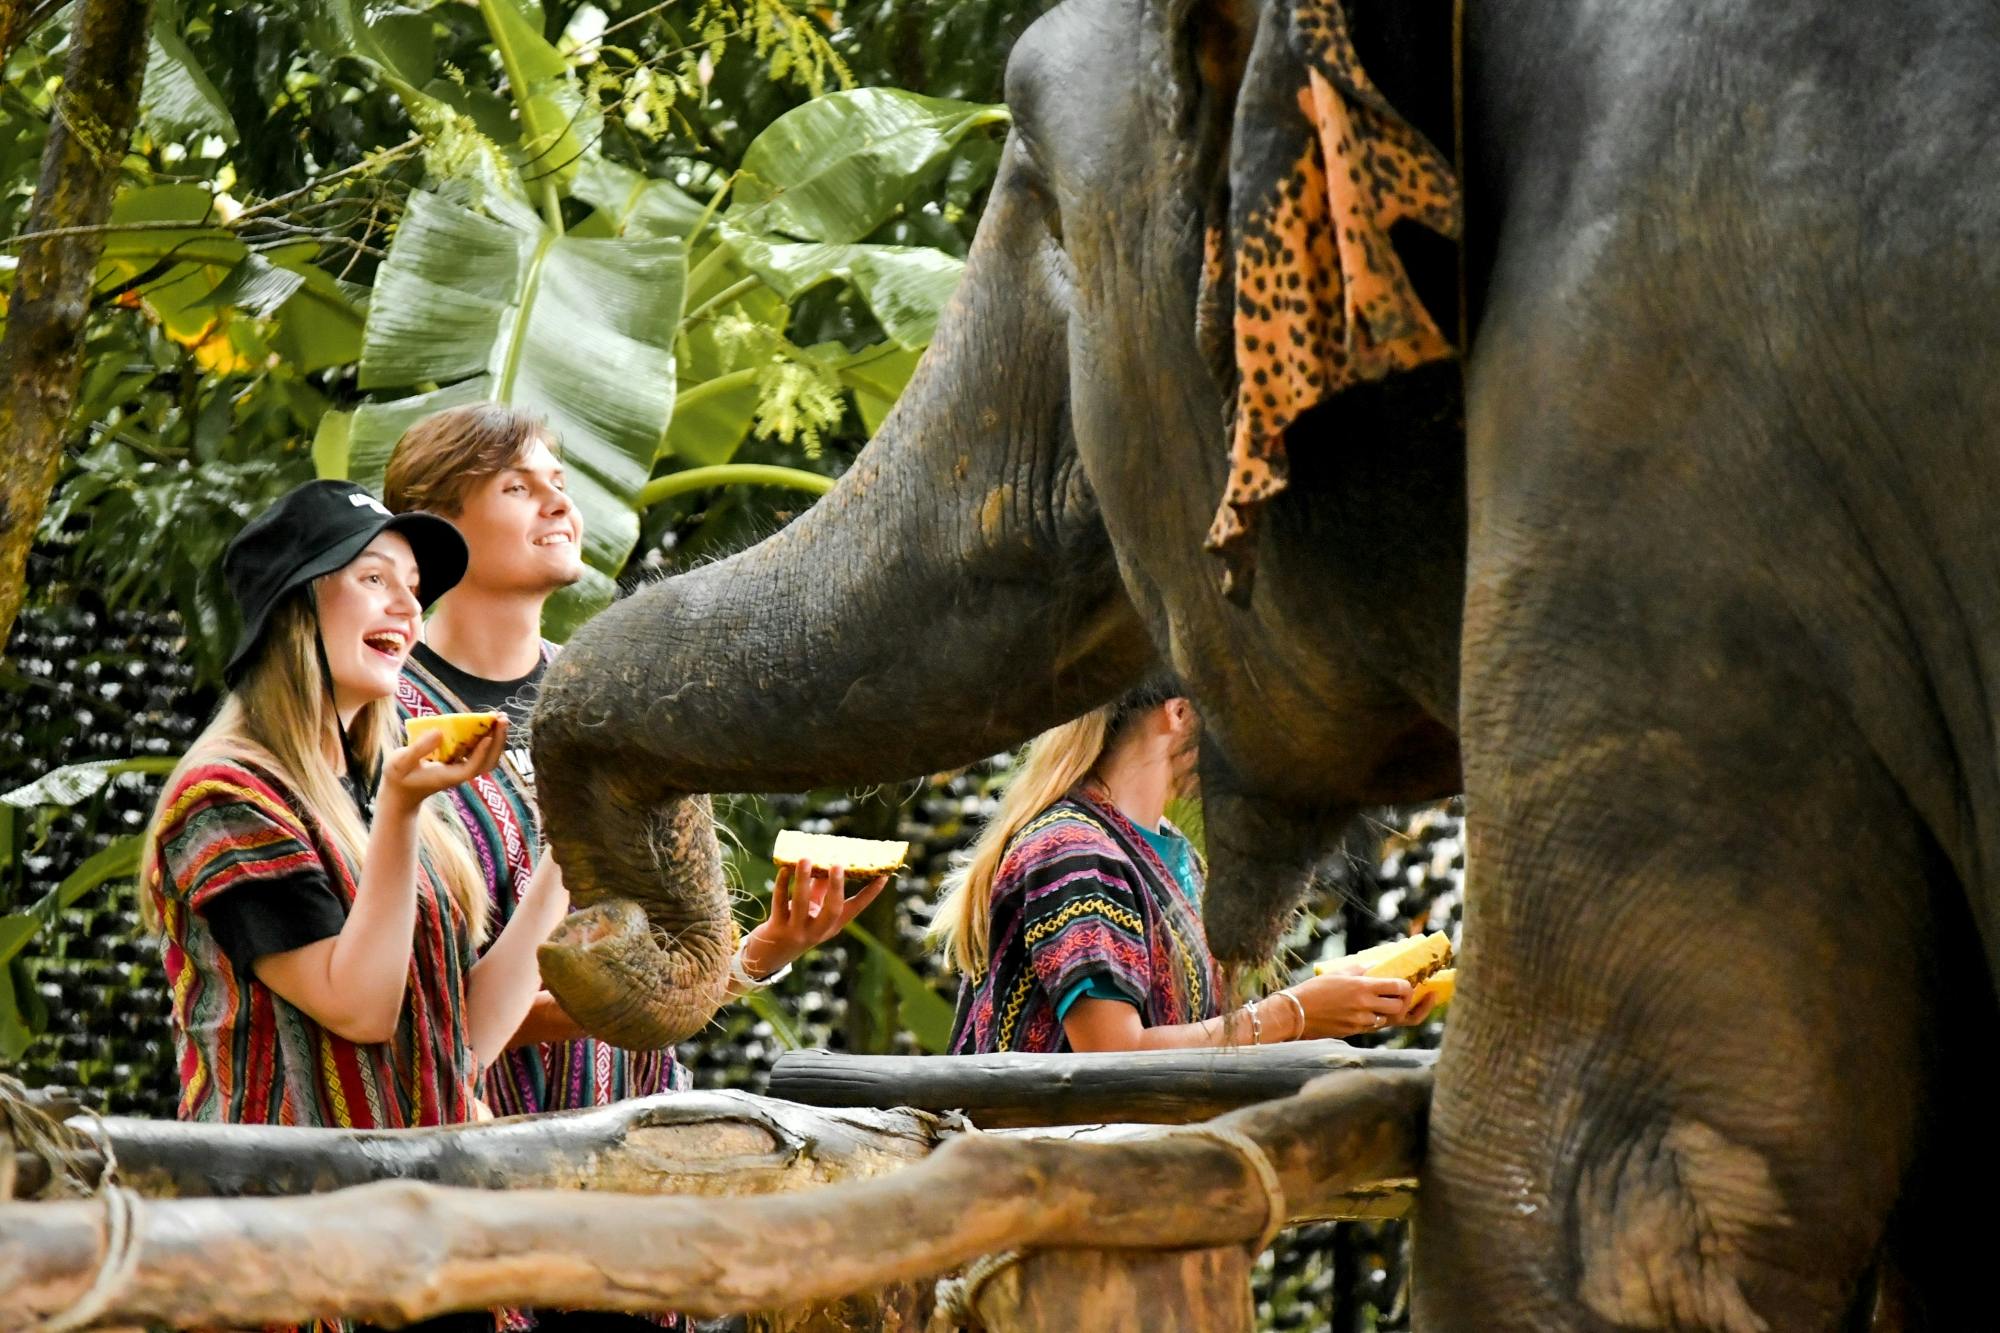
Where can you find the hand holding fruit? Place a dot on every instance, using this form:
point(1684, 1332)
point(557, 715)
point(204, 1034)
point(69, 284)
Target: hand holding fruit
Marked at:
point(810, 903)
point(1336, 1005)
point(411, 774)
point(809, 906)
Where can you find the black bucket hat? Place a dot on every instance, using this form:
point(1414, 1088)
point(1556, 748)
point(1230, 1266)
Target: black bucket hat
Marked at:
point(313, 530)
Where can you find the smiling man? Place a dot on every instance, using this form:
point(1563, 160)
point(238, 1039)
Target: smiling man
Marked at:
point(497, 474)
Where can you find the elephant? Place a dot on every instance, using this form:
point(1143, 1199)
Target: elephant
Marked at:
point(1679, 575)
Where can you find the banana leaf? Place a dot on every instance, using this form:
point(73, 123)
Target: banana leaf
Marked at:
point(74, 783)
point(876, 376)
point(556, 119)
point(906, 286)
point(840, 166)
point(397, 41)
point(177, 100)
point(629, 202)
point(926, 1014)
point(506, 309)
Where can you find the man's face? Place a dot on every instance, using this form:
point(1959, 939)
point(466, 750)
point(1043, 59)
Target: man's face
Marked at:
point(521, 528)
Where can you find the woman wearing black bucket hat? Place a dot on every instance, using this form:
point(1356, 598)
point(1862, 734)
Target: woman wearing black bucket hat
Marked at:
point(319, 917)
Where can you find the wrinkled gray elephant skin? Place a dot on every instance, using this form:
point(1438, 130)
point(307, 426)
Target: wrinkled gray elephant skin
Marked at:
point(1704, 591)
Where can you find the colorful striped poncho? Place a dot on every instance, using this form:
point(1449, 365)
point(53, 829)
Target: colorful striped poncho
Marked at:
point(1081, 898)
point(246, 1055)
point(498, 813)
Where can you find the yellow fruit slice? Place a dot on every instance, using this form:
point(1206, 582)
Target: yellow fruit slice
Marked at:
point(1442, 985)
point(461, 732)
point(1414, 960)
point(862, 858)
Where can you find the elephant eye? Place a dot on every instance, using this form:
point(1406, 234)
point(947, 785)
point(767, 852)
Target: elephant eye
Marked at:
point(1053, 216)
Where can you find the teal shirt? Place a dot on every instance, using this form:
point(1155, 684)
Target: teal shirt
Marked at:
point(1177, 854)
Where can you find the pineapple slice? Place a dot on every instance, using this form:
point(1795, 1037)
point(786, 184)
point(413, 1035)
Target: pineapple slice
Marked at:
point(863, 858)
point(1442, 985)
point(461, 732)
point(1415, 960)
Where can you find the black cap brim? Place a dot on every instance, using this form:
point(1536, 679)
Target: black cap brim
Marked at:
point(440, 553)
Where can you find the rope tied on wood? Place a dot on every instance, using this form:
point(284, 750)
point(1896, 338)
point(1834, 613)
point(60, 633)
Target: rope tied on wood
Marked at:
point(69, 1154)
point(958, 1298)
point(72, 1158)
point(1261, 1170)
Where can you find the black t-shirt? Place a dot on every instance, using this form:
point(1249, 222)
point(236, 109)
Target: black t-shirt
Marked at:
point(515, 698)
point(276, 915)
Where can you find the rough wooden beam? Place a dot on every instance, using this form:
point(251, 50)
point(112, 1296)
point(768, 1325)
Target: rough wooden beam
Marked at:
point(1142, 1087)
point(680, 1143)
point(400, 1251)
point(1374, 1201)
point(1171, 1291)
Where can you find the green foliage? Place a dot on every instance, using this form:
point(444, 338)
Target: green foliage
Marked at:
point(340, 216)
point(507, 309)
point(25, 813)
point(926, 1014)
point(839, 167)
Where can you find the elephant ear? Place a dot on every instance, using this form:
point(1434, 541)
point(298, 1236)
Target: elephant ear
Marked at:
point(1320, 168)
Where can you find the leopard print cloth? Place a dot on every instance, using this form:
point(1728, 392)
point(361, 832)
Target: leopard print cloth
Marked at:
point(1320, 168)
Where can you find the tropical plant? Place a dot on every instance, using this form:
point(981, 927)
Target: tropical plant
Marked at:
point(652, 332)
point(25, 816)
point(567, 238)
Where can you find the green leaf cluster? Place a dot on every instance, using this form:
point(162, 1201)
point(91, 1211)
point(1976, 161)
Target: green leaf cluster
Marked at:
point(24, 816)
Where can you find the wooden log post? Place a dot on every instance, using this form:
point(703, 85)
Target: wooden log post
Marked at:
point(399, 1251)
point(1135, 1087)
point(689, 1143)
point(1114, 1291)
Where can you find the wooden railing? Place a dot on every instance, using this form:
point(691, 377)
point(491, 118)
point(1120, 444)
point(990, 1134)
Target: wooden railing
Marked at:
point(865, 1207)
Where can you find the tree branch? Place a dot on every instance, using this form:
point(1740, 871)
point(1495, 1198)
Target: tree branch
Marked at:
point(41, 352)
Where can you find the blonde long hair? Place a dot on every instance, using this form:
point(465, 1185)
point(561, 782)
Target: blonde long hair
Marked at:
point(1054, 762)
point(278, 718)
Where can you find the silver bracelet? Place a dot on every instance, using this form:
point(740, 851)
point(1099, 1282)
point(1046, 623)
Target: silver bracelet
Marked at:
point(1256, 1025)
point(740, 974)
point(1298, 1005)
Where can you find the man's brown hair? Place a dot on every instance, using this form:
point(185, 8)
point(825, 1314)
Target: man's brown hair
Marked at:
point(444, 454)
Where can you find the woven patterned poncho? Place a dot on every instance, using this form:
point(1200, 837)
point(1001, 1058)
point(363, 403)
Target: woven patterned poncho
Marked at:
point(498, 812)
point(247, 1056)
point(1080, 896)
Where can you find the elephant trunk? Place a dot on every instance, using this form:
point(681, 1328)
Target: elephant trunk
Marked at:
point(649, 969)
point(953, 594)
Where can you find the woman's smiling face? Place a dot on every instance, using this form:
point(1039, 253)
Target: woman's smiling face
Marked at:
point(369, 619)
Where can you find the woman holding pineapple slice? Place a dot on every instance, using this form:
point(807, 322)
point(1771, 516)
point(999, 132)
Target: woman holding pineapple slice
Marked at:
point(1076, 920)
point(319, 917)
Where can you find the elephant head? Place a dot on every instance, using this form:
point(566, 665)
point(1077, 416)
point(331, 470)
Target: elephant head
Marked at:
point(1023, 538)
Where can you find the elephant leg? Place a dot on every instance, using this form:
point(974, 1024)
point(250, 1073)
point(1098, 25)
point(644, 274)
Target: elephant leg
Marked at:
point(1934, 1274)
point(1686, 1075)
